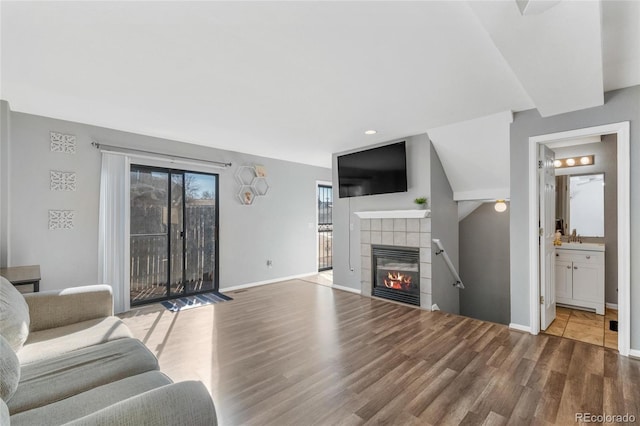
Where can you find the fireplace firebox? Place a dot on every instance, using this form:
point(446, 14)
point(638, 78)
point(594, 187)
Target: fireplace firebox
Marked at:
point(396, 273)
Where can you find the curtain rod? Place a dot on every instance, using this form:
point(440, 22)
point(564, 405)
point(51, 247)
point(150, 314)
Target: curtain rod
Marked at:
point(125, 150)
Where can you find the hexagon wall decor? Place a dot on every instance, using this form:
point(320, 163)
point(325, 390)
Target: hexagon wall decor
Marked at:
point(253, 183)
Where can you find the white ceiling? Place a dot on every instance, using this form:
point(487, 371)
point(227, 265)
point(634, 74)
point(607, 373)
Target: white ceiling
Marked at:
point(557, 55)
point(296, 80)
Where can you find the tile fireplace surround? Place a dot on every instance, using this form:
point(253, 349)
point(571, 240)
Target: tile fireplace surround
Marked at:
point(400, 232)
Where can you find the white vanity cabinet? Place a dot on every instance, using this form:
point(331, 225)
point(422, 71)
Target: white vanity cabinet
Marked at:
point(580, 276)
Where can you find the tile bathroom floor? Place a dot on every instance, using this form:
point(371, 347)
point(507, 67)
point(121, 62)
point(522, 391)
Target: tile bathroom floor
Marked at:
point(585, 326)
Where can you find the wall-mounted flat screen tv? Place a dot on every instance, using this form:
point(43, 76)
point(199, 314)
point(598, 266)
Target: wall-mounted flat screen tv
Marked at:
point(380, 170)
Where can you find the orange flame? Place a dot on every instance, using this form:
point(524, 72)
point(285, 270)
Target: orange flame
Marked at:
point(397, 281)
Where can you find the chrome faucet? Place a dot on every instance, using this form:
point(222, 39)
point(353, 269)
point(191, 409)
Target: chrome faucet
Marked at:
point(574, 237)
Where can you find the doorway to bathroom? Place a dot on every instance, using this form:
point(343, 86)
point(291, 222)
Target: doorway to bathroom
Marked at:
point(573, 275)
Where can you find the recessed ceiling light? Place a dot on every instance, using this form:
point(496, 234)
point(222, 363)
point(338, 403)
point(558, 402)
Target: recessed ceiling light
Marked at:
point(370, 132)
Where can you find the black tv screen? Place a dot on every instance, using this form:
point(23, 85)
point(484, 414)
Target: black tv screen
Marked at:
point(380, 170)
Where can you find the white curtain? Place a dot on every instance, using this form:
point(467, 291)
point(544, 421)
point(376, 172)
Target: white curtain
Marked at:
point(113, 240)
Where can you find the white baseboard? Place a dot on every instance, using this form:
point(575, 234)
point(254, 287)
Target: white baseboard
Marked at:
point(265, 282)
point(520, 327)
point(611, 305)
point(634, 353)
point(343, 288)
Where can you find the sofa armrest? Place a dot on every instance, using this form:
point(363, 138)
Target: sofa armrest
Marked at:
point(184, 403)
point(56, 308)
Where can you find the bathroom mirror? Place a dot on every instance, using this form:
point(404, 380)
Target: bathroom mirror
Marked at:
point(580, 204)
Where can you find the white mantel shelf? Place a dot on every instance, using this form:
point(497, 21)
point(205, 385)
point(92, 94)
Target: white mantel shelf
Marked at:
point(395, 214)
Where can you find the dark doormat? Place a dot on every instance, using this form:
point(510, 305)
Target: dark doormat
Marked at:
point(195, 301)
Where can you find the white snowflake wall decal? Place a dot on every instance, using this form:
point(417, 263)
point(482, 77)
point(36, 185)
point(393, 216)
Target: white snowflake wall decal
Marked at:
point(61, 219)
point(63, 143)
point(62, 181)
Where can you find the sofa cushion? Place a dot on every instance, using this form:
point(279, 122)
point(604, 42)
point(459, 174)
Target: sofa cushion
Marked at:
point(14, 315)
point(9, 370)
point(60, 377)
point(57, 308)
point(90, 401)
point(56, 341)
point(184, 403)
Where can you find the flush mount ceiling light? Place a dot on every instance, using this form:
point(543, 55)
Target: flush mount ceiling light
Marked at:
point(584, 160)
point(500, 206)
point(370, 132)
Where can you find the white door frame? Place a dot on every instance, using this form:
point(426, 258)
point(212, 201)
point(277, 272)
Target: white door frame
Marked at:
point(624, 225)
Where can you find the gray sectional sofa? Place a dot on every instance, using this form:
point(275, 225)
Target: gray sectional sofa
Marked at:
point(66, 360)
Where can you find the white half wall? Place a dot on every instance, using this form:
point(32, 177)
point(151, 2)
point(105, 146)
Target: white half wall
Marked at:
point(475, 156)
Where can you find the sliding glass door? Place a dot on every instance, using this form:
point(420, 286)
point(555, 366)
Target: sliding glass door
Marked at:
point(173, 227)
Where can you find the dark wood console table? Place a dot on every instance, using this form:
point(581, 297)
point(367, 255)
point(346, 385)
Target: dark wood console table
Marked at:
point(22, 275)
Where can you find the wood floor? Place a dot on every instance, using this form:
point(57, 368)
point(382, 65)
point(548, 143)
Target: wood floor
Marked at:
point(298, 353)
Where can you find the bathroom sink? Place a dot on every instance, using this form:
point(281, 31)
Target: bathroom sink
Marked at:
point(581, 246)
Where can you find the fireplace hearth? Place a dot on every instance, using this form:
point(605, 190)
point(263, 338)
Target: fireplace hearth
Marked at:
point(396, 273)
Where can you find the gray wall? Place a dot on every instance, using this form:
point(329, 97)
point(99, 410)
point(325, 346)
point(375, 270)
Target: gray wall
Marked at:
point(605, 162)
point(484, 265)
point(4, 182)
point(444, 225)
point(620, 105)
point(343, 208)
point(280, 226)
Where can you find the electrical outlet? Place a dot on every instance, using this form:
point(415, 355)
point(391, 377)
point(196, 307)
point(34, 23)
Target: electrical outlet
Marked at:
point(269, 263)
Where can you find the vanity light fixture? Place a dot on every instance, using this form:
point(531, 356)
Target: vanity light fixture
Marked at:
point(370, 132)
point(500, 206)
point(583, 160)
